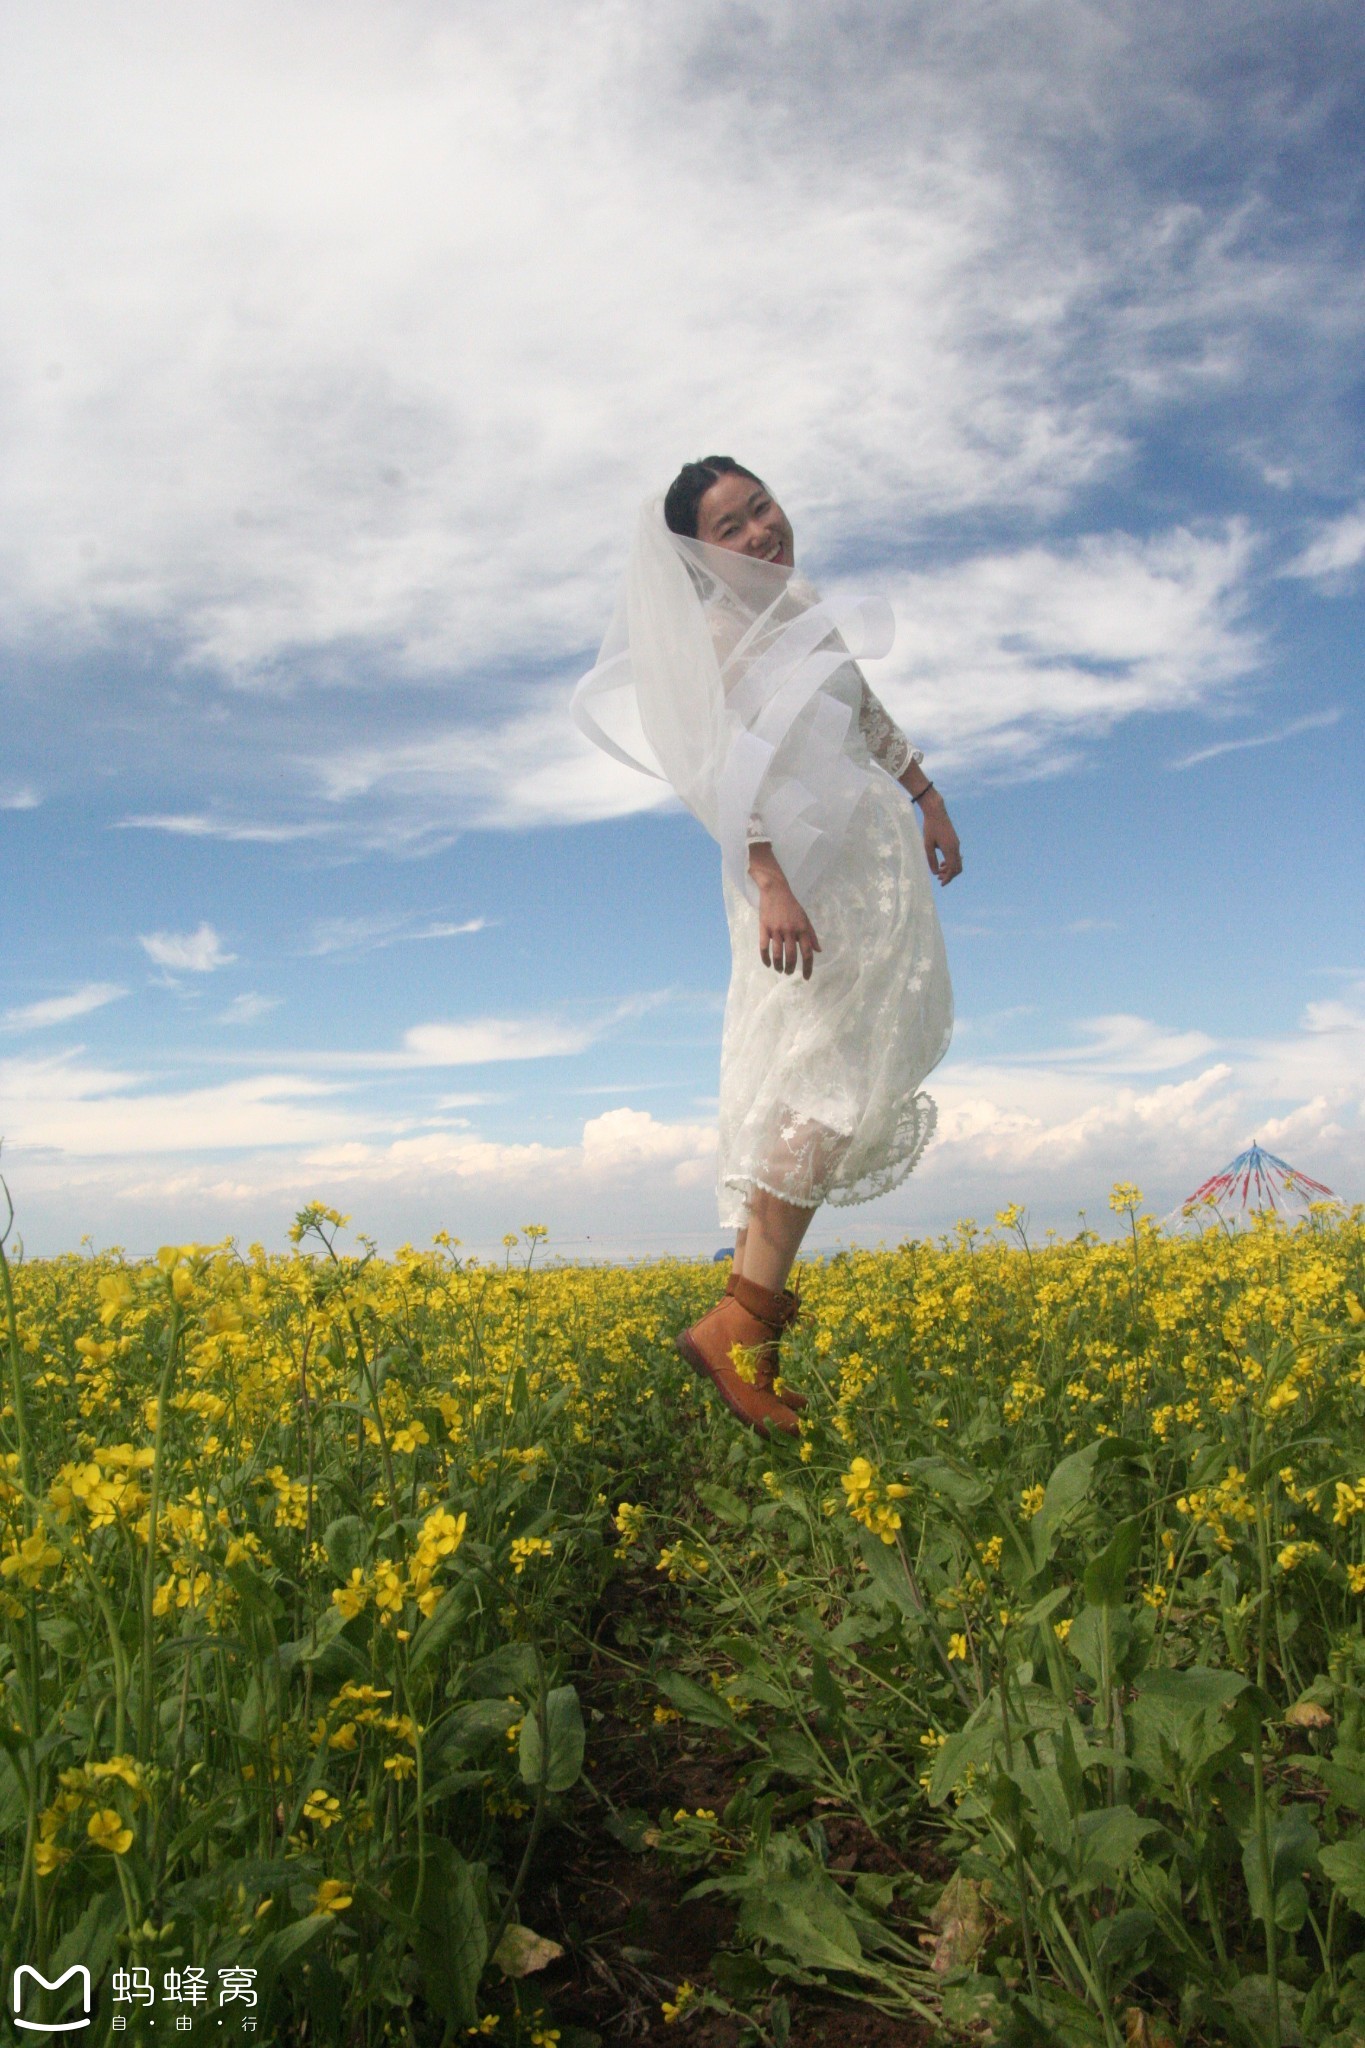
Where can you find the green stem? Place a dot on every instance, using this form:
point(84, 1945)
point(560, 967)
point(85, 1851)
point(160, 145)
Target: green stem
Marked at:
point(147, 1689)
point(1272, 1959)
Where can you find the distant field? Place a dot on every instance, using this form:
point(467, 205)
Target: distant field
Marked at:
point(1032, 1677)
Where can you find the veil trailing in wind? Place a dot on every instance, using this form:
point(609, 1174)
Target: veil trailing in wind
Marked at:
point(712, 677)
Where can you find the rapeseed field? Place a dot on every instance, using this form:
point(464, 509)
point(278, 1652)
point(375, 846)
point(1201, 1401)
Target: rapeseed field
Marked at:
point(1065, 1576)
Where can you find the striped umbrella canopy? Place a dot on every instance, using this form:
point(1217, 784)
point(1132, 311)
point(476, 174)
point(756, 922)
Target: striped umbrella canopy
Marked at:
point(1252, 1184)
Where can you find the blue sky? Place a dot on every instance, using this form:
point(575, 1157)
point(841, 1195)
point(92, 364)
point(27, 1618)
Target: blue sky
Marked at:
point(338, 347)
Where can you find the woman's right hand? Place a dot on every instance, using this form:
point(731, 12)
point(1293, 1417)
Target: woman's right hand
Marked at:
point(785, 933)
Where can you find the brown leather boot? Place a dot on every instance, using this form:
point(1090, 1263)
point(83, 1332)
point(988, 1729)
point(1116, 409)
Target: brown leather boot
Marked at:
point(748, 1319)
point(767, 1367)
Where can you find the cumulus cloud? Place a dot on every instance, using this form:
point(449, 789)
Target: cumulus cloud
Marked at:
point(279, 240)
point(51, 1010)
point(196, 952)
point(1126, 1098)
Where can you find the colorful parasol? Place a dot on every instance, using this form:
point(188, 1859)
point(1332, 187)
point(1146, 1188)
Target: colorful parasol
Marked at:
point(1255, 1183)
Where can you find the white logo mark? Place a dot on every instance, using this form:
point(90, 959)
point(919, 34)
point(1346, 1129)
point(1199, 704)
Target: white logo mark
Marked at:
point(51, 2026)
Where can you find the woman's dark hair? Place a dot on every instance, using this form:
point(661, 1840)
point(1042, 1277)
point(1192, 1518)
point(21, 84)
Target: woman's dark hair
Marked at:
point(690, 486)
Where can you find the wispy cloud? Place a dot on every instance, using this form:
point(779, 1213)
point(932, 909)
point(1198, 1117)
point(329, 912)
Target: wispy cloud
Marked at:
point(191, 825)
point(1335, 549)
point(350, 936)
point(196, 952)
point(50, 1010)
point(1314, 722)
point(245, 1009)
point(19, 799)
point(1122, 1044)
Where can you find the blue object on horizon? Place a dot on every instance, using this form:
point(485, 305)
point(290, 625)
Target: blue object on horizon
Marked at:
point(727, 1251)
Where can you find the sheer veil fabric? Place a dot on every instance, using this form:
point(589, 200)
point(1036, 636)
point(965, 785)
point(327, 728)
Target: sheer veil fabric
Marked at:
point(732, 680)
point(712, 677)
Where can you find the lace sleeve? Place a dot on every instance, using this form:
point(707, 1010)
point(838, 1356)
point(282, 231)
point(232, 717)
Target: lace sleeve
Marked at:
point(882, 736)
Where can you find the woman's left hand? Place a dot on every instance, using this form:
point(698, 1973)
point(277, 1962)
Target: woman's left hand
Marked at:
point(940, 840)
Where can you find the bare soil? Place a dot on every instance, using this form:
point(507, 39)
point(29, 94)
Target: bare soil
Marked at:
point(630, 1935)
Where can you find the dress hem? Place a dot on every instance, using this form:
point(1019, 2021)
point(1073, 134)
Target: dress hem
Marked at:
point(889, 1178)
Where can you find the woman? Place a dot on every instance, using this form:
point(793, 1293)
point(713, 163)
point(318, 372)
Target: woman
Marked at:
point(731, 678)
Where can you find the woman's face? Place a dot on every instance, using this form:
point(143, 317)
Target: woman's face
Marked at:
point(739, 514)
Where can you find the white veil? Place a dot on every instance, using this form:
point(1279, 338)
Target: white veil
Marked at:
point(712, 677)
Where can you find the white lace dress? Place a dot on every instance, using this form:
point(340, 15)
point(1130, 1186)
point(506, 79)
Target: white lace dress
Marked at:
point(820, 1097)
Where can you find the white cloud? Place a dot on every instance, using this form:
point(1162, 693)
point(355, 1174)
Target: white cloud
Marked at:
point(90, 1112)
point(1132, 1099)
point(1315, 722)
point(1335, 549)
point(246, 1008)
point(62, 1009)
point(1123, 1044)
point(191, 825)
point(1003, 664)
point(196, 952)
point(23, 799)
point(354, 935)
point(494, 1038)
point(262, 276)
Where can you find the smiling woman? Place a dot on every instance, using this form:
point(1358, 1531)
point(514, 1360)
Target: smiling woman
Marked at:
point(727, 675)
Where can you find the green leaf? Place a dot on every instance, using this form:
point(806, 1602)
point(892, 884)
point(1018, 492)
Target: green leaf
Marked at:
point(438, 1631)
point(695, 1702)
point(1107, 1575)
point(825, 1688)
point(1344, 1776)
point(884, 1566)
point(1108, 1840)
point(963, 1488)
point(740, 1978)
point(629, 1827)
point(556, 1760)
point(1344, 1863)
point(282, 1947)
point(1293, 1850)
point(446, 1928)
point(1181, 1720)
point(347, 1543)
point(1045, 1796)
point(1071, 1481)
point(93, 1938)
point(470, 1729)
point(511, 1668)
point(727, 1505)
point(805, 1918)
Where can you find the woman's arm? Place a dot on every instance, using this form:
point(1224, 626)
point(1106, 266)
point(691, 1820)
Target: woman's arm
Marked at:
point(785, 933)
point(940, 840)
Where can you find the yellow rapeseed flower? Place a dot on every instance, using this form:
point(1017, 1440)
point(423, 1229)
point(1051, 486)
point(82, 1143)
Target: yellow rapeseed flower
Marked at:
point(107, 1831)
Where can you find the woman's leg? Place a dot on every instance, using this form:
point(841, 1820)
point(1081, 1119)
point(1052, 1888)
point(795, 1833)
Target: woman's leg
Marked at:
point(766, 1249)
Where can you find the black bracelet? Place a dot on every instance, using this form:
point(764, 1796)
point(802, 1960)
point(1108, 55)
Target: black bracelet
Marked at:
point(921, 794)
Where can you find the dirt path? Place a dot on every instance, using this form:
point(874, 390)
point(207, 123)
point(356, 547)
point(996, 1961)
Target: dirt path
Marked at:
point(630, 1935)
